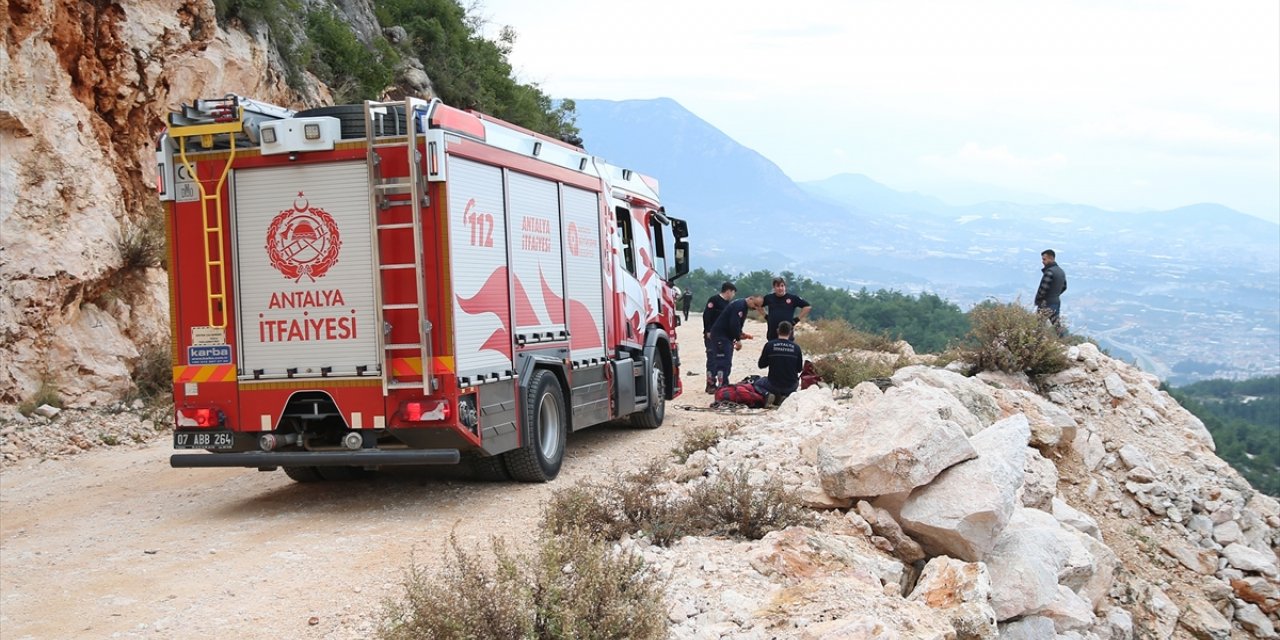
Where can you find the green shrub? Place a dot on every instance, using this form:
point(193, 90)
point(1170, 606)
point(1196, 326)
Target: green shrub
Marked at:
point(576, 587)
point(353, 70)
point(1008, 337)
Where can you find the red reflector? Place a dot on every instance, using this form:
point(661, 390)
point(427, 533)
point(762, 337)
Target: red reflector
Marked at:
point(413, 411)
point(426, 410)
point(202, 417)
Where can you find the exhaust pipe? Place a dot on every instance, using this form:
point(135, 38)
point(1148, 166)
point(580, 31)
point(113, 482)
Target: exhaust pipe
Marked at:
point(271, 441)
point(353, 440)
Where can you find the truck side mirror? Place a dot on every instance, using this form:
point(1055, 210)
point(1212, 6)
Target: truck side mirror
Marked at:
point(681, 266)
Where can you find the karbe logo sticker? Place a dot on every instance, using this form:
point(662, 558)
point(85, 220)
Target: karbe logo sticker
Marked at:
point(303, 241)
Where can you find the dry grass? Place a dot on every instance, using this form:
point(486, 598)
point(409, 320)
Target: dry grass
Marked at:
point(838, 336)
point(730, 505)
point(701, 438)
point(575, 587)
point(153, 374)
point(48, 393)
point(632, 505)
point(847, 371)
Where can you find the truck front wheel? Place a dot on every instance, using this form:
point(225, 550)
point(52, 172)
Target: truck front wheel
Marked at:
point(546, 429)
point(652, 416)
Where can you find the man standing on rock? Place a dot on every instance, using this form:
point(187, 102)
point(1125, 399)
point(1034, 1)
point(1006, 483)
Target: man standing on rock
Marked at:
point(727, 336)
point(1053, 282)
point(715, 305)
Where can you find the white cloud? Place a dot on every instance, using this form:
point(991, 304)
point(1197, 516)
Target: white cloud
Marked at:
point(1082, 99)
point(977, 162)
point(1175, 130)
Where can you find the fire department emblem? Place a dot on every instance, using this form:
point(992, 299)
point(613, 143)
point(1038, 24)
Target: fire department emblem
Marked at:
point(303, 241)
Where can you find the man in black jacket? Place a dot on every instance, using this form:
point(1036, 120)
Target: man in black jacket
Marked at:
point(1053, 282)
point(715, 304)
point(785, 361)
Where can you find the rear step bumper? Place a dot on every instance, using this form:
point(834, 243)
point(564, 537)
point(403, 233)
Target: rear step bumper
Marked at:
point(270, 460)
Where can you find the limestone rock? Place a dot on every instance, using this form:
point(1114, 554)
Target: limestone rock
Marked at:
point(1247, 559)
point(1204, 622)
point(975, 395)
point(1032, 556)
point(963, 511)
point(900, 441)
point(1200, 560)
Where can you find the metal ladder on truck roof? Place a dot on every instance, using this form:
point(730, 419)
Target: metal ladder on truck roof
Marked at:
point(381, 122)
point(209, 119)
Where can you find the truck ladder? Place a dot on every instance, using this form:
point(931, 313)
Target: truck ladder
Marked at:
point(228, 118)
point(378, 117)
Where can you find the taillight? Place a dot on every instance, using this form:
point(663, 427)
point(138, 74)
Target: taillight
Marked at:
point(203, 417)
point(426, 410)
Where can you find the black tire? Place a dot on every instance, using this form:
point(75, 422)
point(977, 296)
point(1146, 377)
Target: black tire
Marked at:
point(546, 430)
point(653, 415)
point(351, 117)
point(342, 474)
point(488, 468)
point(303, 474)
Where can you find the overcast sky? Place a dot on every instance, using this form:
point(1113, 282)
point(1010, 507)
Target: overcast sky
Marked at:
point(1120, 104)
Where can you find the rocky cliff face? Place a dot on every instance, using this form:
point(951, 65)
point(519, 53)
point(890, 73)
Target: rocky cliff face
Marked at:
point(1090, 508)
point(84, 91)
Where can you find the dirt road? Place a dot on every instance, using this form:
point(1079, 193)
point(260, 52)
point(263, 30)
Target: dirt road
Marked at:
point(116, 544)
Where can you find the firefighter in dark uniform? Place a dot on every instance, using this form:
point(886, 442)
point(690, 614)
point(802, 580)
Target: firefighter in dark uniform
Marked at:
point(727, 336)
point(782, 306)
point(784, 360)
point(715, 304)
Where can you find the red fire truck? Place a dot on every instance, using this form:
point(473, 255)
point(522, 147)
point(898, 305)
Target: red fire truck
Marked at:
point(406, 283)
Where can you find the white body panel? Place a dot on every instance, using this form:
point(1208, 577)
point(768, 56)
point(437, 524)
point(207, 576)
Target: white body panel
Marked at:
point(478, 258)
point(584, 273)
point(536, 257)
point(305, 270)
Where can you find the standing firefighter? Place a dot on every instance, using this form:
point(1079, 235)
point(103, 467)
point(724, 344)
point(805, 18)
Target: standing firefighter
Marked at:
point(710, 313)
point(727, 335)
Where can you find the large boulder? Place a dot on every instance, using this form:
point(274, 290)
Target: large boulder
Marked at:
point(897, 442)
point(974, 394)
point(1051, 425)
point(964, 510)
point(1032, 557)
point(963, 591)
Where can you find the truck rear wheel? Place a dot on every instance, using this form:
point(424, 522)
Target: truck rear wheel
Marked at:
point(545, 431)
point(303, 474)
point(652, 416)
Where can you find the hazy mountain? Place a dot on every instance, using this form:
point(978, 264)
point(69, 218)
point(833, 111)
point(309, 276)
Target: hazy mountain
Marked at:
point(1191, 289)
point(743, 211)
point(848, 188)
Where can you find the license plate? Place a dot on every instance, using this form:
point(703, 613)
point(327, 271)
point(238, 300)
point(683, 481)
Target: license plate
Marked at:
point(215, 440)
